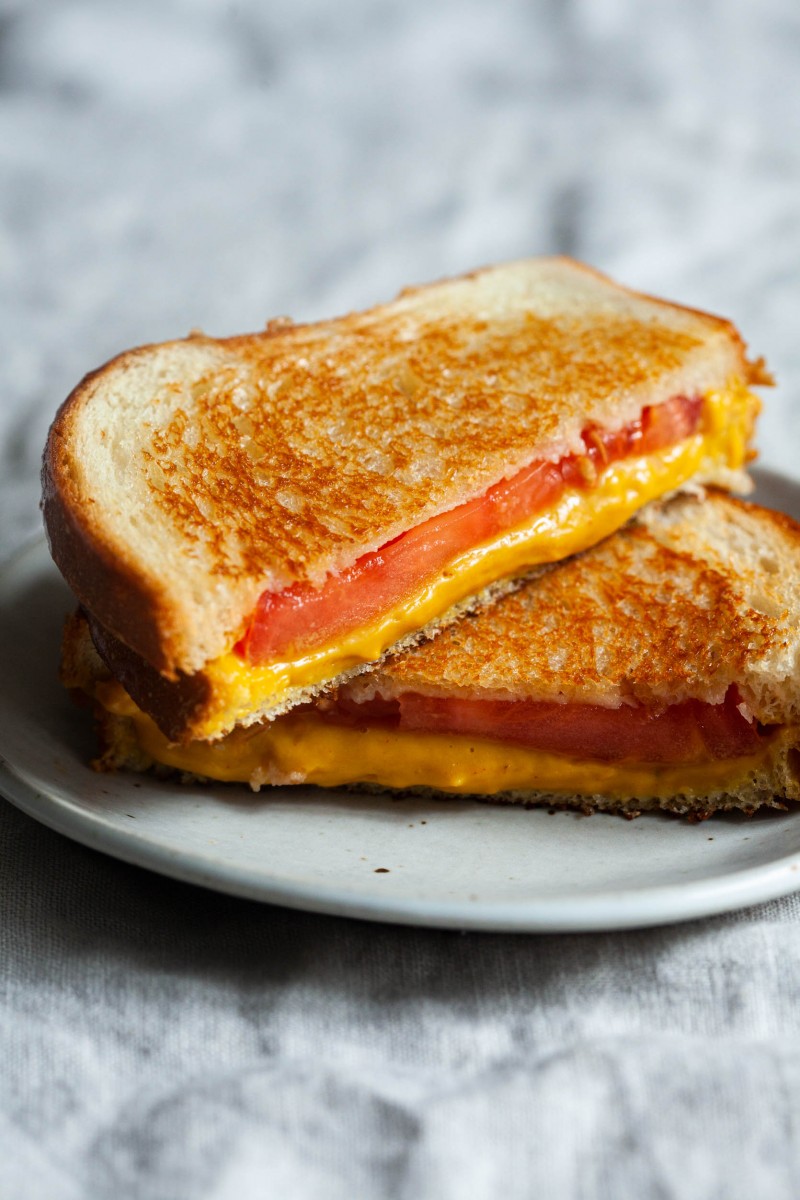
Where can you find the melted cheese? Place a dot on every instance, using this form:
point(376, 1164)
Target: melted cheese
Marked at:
point(576, 521)
point(304, 748)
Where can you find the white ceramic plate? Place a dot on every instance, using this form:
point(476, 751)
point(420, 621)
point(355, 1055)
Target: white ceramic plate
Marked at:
point(446, 863)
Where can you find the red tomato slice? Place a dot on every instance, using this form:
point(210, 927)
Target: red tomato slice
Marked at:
point(301, 616)
point(688, 732)
point(667, 424)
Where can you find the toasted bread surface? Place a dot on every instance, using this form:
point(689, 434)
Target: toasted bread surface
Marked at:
point(182, 480)
point(696, 595)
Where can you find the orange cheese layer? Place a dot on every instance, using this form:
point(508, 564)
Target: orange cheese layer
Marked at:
point(305, 748)
point(579, 519)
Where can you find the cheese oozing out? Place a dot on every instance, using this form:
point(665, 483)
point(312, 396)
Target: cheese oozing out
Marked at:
point(578, 519)
point(303, 747)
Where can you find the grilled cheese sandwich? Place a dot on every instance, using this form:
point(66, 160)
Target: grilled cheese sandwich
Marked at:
point(200, 494)
point(657, 670)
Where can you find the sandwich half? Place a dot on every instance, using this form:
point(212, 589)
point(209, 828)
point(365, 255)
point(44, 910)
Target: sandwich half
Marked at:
point(660, 669)
point(248, 521)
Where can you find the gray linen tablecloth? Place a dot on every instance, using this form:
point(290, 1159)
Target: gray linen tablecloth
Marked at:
point(171, 165)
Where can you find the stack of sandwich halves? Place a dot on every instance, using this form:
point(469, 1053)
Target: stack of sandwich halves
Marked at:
point(476, 541)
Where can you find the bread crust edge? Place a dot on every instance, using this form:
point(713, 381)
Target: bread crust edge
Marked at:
point(121, 596)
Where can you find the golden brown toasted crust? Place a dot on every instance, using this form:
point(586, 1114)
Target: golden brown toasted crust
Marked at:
point(220, 468)
point(80, 667)
point(697, 596)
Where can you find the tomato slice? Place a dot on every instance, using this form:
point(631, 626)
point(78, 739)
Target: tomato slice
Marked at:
point(301, 616)
point(689, 732)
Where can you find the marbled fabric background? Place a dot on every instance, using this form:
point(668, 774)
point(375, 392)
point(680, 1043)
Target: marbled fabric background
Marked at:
point(170, 164)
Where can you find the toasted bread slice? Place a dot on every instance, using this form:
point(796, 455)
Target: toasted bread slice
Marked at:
point(691, 610)
point(184, 481)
